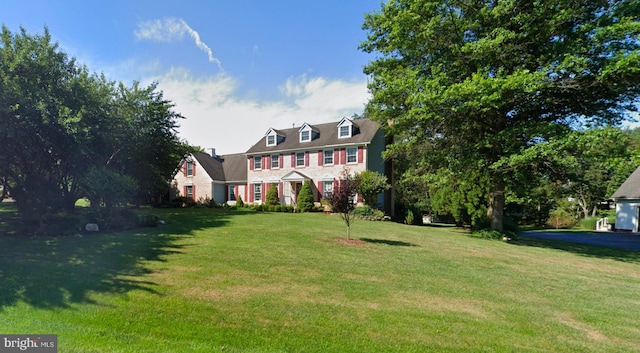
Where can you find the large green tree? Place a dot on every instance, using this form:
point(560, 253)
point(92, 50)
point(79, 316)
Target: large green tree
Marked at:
point(58, 122)
point(479, 82)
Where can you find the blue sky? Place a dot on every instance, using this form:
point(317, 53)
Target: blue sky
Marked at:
point(233, 68)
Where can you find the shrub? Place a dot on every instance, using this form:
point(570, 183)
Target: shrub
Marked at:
point(305, 198)
point(270, 208)
point(279, 208)
point(409, 218)
point(588, 223)
point(370, 185)
point(147, 220)
point(239, 202)
point(272, 196)
point(560, 218)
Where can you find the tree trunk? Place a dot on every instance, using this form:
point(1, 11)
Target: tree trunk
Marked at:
point(495, 212)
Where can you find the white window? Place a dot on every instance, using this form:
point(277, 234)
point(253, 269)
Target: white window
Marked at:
point(257, 162)
point(189, 194)
point(300, 159)
point(271, 140)
point(257, 192)
point(305, 136)
point(275, 161)
point(232, 193)
point(328, 157)
point(327, 188)
point(352, 155)
point(189, 168)
point(345, 131)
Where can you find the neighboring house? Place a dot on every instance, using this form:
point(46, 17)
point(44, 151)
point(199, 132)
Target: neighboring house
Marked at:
point(203, 176)
point(316, 154)
point(627, 199)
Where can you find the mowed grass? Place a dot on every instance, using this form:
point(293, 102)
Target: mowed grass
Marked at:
point(237, 281)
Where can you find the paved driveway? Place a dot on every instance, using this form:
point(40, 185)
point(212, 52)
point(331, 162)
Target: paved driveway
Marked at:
point(628, 241)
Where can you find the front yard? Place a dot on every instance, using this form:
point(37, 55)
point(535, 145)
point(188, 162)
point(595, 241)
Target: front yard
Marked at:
point(240, 281)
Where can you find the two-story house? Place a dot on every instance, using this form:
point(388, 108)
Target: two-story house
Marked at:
point(315, 153)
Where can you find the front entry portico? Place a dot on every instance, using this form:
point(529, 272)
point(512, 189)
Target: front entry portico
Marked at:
point(292, 183)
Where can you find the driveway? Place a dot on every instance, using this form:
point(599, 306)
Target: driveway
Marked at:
point(628, 241)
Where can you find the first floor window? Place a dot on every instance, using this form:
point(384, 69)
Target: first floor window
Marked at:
point(352, 155)
point(232, 193)
point(257, 192)
point(300, 159)
point(327, 188)
point(189, 194)
point(328, 157)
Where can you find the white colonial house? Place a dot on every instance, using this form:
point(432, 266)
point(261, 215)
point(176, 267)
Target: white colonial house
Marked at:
point(317, 154)
point(627, 199)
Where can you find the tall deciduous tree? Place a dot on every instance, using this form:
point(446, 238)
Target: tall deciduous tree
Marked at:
point(482, 81)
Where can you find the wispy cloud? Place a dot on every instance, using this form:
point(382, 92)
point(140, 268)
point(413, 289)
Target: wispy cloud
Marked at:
point(218, 117)
point(172, 29)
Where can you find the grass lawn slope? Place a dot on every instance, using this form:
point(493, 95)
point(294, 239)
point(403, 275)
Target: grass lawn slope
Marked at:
point(240, 281)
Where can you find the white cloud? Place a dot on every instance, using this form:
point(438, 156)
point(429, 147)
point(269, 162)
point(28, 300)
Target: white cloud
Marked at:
point(172, 29)
point(218, 118)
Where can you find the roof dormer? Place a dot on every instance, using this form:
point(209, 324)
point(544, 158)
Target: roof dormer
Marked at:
point(307, 133)
point(274, 137)
point(346, 128)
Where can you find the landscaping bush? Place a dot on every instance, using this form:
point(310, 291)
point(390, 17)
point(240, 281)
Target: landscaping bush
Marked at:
point(239, 202)
point(272, 196)
point(588, 223)
point(560, 218)
point(147, 220)
point(305, 198)
point(368, 213)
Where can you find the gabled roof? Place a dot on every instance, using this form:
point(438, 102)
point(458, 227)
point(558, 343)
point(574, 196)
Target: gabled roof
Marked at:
point(228, 168)
point(328, 136)
point(235, 167)
point(630, 189)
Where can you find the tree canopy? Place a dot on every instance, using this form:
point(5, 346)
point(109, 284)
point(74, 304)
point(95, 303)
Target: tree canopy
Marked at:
point(61, 125)
point(471, 85)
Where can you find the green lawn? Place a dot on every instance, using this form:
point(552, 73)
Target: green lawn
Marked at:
point(237, 281)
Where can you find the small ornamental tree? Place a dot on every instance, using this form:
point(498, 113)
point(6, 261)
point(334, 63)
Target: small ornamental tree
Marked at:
point(272, 196)
point(305, 198)
point(239, 202)
point(342, 199)
point(370, 185)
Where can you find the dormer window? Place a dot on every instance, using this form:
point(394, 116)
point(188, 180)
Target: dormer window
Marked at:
point(345, 131)
point(346, 128)
point(307, 133)
point(274, 137)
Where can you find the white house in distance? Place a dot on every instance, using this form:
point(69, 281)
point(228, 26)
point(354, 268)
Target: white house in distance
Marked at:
point(314, 153)
point(627, 199)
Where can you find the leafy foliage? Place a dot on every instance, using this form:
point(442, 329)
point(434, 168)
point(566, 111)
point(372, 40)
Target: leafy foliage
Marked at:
point(271, 199)
point(370, 185)
point(305, 199)
point(467, 84)
point(342, 198)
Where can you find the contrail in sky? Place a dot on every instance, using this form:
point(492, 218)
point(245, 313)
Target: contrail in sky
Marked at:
point(170, 29)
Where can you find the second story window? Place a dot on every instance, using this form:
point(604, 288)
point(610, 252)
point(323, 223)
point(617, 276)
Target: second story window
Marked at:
point(352, 155)
point(300, 159)
point(328, 157)
point(189, 168)
point(257, 162)
point(275, 161)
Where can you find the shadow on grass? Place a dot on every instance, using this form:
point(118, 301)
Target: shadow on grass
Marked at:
point(55, 272)
point(388, 242)
point(580, 249)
